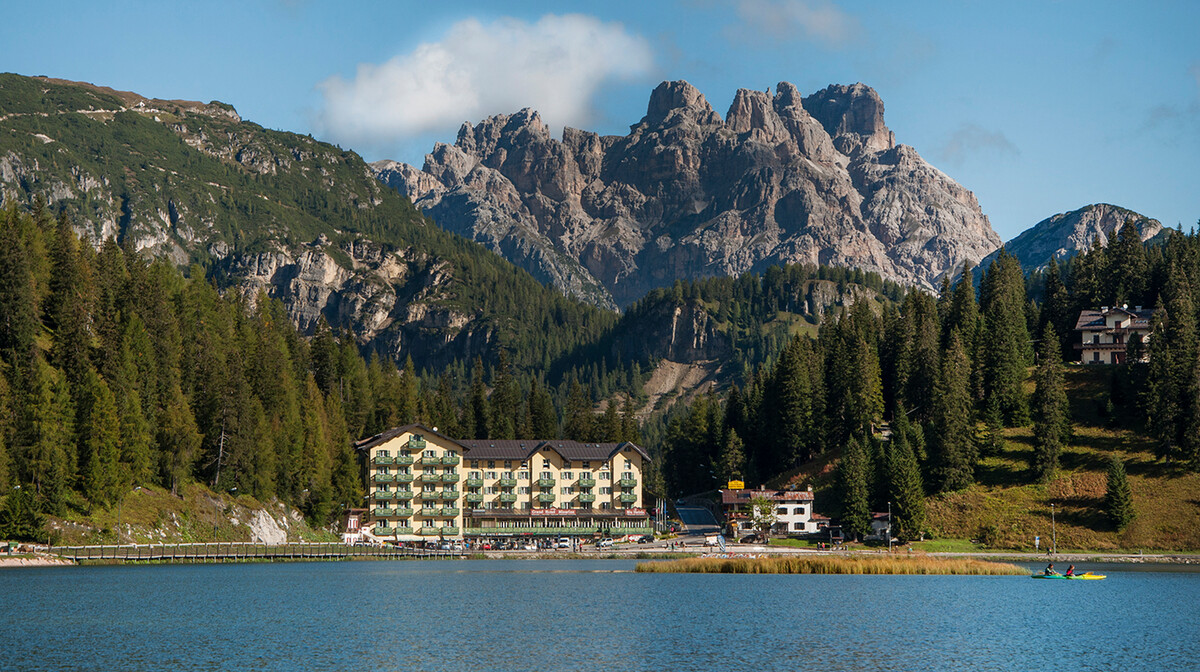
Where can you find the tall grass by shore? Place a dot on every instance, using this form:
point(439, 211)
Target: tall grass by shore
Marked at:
point(854, 564)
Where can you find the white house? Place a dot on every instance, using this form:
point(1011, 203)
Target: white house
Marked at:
point(1105, 334)
point(793, 511)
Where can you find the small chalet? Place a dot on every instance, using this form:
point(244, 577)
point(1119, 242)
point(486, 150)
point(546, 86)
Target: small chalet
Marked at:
point(1105, 334)
point(793, 511)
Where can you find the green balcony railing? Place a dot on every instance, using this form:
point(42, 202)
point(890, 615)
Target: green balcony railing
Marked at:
point(450, 512)
point(449, 478)
point(586, 483)
point(383, 496)
point(404, 530)
point(429, 512)
point(384, 478)
point(450, 459)
point(545, 483)
point(449, 495)
point(508, 497)
point(474, 497)
point(545, 497)
point(403, 512)
point(404, 478)
point(429, 461)
point(383, 531)
point(449, 530)
point(383, 459)
point(429, 531)
point(382, 512)
point(404, 494)
point(507, 482)
point(474, 482)
point(431, 478)
point(627, 483)
point(587, 498)
point(404, 460)
point(628, 498)
point(430, 495)
point(416, 444)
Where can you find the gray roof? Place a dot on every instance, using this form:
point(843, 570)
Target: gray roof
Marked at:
point(510, 449)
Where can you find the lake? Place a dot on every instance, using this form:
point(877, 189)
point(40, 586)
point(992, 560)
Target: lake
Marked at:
point(586, 615)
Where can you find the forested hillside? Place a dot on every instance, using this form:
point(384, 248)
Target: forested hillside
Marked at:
point(908, 400)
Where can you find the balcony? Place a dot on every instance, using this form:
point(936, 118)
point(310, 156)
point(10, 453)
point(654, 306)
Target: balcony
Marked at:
point(449, 478)
point(429, 531)
point(430, 461)
point(416, 444)
point(450, 459)
point(507, 482)
point(545, 483)
point(382, 512)
point(628, 498)
point(449, 512)
point(383, 478)
point(450, 530)
point(474, 497)
point(404, 460)
point(404, 494)
point(403, 512)
point(430, 495)
point(586, 498)
point(508, 497)
point(431, 478)
point(383, 496)
point(383, 459)
point(586, 483)
point(545, 497)
point(383, 531)
point(627, 482)
point(404, 478)
point(449, 495)
point(403, 530)
point(474, 482)
point(430, 512)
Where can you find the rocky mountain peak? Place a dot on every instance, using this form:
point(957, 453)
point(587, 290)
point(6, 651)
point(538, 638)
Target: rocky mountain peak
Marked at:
point(1068, 233)
point(671, 101)
point(754, 110)
point(853, 117)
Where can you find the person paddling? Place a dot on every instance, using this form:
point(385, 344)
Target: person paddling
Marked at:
point(1050, 570)
point(1070, 571)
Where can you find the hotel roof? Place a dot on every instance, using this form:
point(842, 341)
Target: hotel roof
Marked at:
point(511, 449)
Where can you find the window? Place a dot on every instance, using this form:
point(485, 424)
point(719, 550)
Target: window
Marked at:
point(430, 453)
point(547, 474)
point(587, 464)
point(626, 474)
point(431, 470)
point(506, 474)
point(508, 464)
point(384, 453)
point(605, 505)
point(606, 491)
point(524, 490)
point(490, 490)
point(798, 526)
point(474, 463)
point(492, 465)
point(523, 475)
point(475, 474)
point(799, 511)
point(565, 490)
point(605, 476)
point(567, 476)
point(781, 511)
point(383, 470)
point(526, 505)
point(491, 474)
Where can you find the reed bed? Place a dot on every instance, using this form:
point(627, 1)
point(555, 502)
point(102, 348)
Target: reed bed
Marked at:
point(825, 564)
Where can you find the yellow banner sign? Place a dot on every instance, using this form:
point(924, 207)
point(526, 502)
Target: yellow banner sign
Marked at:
point(737, 485)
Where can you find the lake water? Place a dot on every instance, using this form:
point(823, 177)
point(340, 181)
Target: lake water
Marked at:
point(585, 615)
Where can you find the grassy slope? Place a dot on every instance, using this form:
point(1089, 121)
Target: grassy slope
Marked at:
point(1006, 512)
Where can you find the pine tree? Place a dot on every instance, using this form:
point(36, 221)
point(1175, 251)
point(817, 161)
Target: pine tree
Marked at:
point(99, 442)
point(1127, 266)
point(905, 487)
point(1118, 498)
point(477, 413)
point(731, 465)
point(18, 296)
point(953, 447)
point(1056, 310)
point(578, 419)
point(1051, 412)
point(853, 472)
point(1002, 303)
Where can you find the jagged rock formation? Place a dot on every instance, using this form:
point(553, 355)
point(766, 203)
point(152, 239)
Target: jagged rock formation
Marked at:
point(1066, 234)
point(782, 179)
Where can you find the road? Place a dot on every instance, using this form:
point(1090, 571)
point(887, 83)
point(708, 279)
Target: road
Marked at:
point(697, 521)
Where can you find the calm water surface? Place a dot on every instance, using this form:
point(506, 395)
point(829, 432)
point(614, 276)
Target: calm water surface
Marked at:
point(585, 615)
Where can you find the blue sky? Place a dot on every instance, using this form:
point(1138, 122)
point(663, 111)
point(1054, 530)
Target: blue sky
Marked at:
point(1037, 107)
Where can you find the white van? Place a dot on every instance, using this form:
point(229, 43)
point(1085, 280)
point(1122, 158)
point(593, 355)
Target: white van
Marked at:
point(564, 542)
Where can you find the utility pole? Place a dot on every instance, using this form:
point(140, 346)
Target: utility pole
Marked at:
point(889, 527)
point(1053, 533)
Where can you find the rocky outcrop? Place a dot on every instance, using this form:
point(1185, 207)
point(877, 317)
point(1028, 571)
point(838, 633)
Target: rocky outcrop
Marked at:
point(1066, 234)
point(782, 179)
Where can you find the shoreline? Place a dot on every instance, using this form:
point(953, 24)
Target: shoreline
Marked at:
point(37, 560)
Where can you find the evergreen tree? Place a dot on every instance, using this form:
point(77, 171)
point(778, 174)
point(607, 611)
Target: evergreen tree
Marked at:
point(505, 402)
point(953, 447)
point(543, 421)
point(1118, 498)
point(578, 419)
point(905, 488)
point(99, 442)
point(1056, 310)
point(477, 414)
point(1002, 303)
point(1128, 266)
point(18, 297)
point(1051, 412)
point(731, 465)
point(853, 470)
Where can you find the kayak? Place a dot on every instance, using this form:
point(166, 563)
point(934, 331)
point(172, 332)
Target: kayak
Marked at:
point(1078, 577)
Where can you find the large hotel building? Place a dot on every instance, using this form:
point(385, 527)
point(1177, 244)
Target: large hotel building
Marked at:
point(423, 485)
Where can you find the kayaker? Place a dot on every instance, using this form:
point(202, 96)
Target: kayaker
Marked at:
point(1050, 570)
point(1070, 571)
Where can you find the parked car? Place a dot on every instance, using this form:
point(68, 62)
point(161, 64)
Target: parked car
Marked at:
point(604, 543)
point(564, 542)
point(645, 539)
point(529, 547)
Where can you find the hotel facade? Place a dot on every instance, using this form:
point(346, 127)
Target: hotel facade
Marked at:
point(423, 485)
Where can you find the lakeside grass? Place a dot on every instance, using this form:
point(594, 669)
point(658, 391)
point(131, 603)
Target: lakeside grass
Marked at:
point(833, 565)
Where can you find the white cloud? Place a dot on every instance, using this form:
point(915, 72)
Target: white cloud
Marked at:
point(820, 20)
point(555, 66)
point(971, 139)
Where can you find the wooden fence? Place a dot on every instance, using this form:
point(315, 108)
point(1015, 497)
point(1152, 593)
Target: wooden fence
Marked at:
point(235, 551)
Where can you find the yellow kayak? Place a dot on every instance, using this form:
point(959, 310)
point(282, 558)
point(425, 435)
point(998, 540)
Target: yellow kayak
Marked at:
point(1088, 576)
